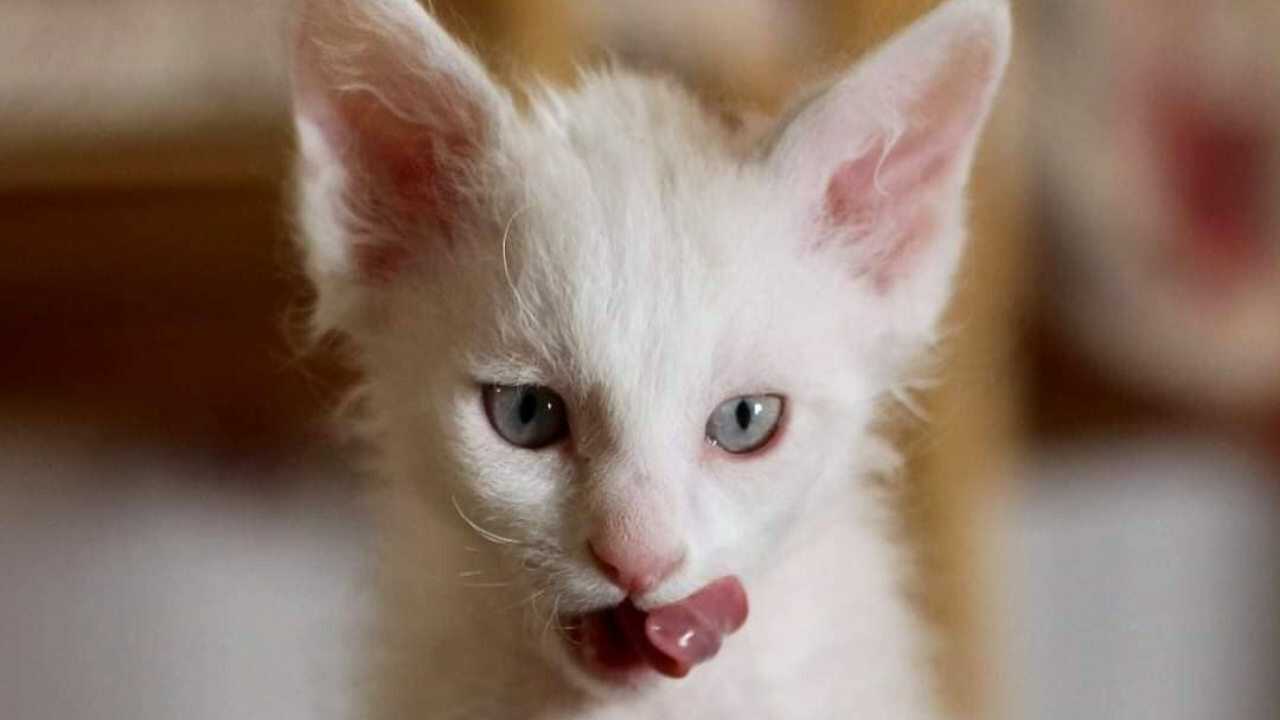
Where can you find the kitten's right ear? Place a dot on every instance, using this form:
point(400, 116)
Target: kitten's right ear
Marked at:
point(880, 160)
point(391, 114)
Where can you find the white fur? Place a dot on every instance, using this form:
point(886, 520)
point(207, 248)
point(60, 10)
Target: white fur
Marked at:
point(619, 250)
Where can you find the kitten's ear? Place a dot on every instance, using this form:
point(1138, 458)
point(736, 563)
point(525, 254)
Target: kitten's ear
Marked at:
point(391, 113)
point(882, 157)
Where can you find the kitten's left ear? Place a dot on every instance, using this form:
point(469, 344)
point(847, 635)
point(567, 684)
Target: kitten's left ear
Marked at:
point(392, 115)
point(883, 156)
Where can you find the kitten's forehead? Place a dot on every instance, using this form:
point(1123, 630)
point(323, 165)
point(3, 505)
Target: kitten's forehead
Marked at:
point(639, 242)
point(629, 170)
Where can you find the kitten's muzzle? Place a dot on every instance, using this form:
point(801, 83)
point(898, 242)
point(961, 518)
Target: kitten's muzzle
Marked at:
point(633, 569)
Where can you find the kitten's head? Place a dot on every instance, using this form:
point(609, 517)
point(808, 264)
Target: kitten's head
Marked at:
point(633, 353)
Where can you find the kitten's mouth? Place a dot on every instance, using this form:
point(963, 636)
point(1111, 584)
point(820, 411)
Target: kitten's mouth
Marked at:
point(618, 641)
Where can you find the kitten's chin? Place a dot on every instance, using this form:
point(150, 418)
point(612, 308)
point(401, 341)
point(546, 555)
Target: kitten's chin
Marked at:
point(625, 647)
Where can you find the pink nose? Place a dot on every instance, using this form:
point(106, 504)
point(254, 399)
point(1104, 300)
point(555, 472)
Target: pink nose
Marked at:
point(634, 568)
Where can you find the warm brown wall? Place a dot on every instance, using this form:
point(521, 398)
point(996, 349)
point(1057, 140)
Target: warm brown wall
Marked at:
point(154, 315)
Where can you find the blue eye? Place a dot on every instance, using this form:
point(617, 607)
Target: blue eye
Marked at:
point(743, 424)
point(527, 416)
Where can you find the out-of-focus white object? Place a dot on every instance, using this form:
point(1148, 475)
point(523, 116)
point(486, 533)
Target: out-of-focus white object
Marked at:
point(152, 587)
point(1145, 585)
point(1157, 132)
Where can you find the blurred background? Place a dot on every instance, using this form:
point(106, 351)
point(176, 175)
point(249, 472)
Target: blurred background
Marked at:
point(1095, 496)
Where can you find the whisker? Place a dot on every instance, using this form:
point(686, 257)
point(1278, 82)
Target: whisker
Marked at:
point(529, 601)
point(907, 399)
point(488, 584)
point(552, 616)
point(506, 267)
point(486, 534)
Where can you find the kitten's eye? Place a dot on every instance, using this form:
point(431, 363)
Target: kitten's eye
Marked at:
point(527, 416)
point(745, 423)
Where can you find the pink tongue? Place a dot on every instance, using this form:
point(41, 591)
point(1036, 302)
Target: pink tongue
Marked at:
point(689, 632)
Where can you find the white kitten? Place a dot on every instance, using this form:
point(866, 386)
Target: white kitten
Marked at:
point(621, 376)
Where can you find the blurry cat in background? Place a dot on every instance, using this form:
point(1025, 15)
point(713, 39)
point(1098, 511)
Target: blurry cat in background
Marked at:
point(621, 374)
point(1157, 129)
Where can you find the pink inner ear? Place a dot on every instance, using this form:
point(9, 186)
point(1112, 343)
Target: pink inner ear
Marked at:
point(885, 201)
point(402, 189)
point(911, 239)
point(852, 197)
point(863, 190)
point(881, 203)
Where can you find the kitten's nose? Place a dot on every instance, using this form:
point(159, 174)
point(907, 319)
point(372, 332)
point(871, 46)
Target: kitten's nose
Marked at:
point(634, 568)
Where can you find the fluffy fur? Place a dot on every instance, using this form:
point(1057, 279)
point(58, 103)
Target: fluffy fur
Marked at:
point(614, 242)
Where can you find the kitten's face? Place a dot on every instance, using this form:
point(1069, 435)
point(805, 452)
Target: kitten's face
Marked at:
point(644, 301)
point(628, 354)
point(638, 304)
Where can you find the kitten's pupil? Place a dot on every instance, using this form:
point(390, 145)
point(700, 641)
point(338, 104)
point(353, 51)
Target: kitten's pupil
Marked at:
point(528, 407)
point(743, 414)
